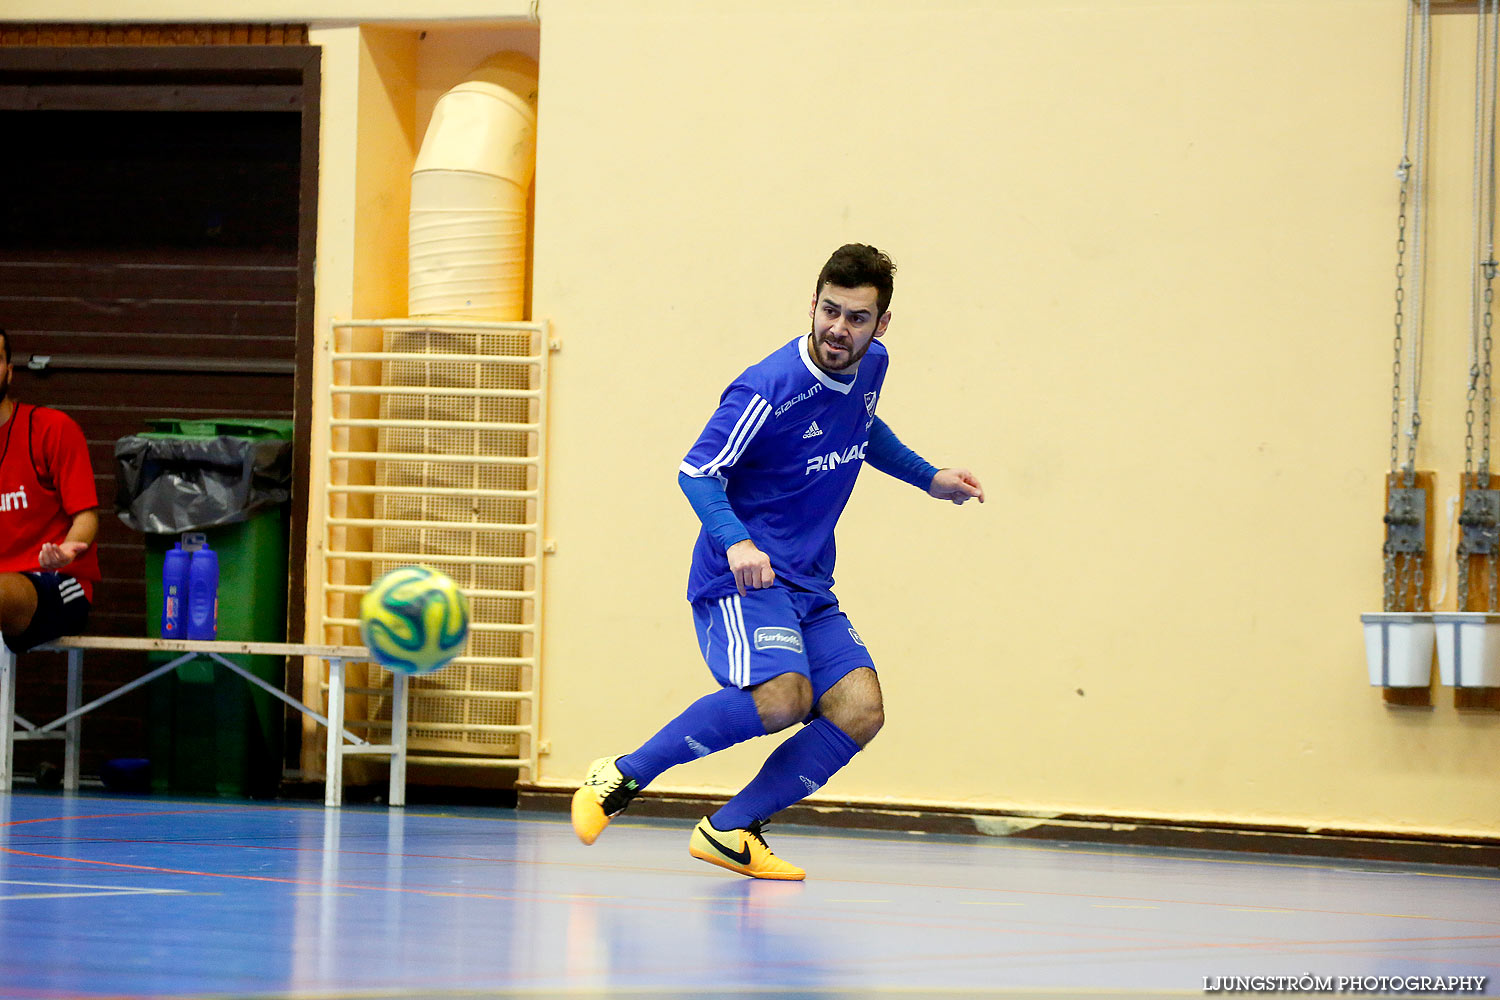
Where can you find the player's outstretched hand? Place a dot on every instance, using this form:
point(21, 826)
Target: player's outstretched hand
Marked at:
point(957, 485)
point(57, 556)
point(751, 567)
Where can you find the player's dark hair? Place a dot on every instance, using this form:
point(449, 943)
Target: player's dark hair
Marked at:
point(5, 343)
point(856, 264)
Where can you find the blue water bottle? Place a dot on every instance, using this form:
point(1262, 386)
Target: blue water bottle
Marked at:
point(203, 594)
point(174, 592)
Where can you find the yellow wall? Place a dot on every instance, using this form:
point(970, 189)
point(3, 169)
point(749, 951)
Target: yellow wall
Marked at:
point(1145, 292)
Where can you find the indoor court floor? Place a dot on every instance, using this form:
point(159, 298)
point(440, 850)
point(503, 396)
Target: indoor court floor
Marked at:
point(147, 897)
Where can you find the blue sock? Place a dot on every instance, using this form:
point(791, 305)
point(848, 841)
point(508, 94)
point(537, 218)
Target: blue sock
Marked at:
point(795, 770)
point(710, 724)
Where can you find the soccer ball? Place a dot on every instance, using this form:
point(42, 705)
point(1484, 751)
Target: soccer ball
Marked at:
point(414, 620)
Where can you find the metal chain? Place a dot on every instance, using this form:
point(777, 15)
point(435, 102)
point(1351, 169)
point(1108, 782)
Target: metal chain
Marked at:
point(1486, 371)
point(1489, 31)
point(1390, 583)
point(1463, 580)
point(1419, 222)
point(1404, 173)
point(1398, 570)
point(1494, 601)
point(1419, 599)
point(1486, 74)
point(1403, 569)
point(1472, 393)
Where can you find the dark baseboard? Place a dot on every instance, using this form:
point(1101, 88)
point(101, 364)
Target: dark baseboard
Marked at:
point(1074, 828)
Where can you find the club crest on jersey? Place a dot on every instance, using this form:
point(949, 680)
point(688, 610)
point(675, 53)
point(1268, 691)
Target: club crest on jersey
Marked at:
point(834, 459)
point(813, 430)
point(870, 398)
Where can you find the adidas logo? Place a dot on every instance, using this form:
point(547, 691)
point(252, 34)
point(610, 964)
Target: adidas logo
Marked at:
point(696, 747)
point(812, 786)
point(813, 430)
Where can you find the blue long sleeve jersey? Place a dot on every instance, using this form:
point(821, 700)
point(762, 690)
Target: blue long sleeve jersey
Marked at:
point(777, 462)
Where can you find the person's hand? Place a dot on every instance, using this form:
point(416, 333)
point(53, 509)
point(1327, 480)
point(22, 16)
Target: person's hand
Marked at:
point(751, 567)
point(957, 485)
point(56, 556)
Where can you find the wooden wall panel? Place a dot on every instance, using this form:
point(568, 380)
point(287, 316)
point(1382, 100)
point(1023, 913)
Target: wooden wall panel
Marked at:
point(40, 34)
point(155, 259)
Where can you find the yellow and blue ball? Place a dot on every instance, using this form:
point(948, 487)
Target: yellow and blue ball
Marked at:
point(414, 620)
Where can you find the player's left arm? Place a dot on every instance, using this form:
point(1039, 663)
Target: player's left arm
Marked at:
point(889, 455)
point(957, 485)
point(80, 536)
point(66, 452)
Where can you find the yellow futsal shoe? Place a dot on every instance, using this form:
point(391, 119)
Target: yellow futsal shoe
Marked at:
point(742, 851)
point(604, 795)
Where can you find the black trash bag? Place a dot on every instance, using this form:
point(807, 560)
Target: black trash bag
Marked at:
point(170, 485)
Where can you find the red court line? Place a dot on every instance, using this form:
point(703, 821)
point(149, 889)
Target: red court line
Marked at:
point(532, 862)
point(676, 871)
point(64, 819)
point(968, 923)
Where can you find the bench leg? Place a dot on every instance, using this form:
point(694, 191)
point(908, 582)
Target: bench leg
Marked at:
point(7, 713)
point(73, 731)
point(398, 739)
point(333, 785)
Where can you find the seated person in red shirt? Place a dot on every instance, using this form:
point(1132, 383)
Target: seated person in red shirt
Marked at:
point(48, 564)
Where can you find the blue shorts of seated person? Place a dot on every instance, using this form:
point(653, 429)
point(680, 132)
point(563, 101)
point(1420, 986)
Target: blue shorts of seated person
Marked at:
point(748, 640)
point(61, 609)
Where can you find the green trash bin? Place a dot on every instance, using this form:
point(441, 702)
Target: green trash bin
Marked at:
point(211, 733)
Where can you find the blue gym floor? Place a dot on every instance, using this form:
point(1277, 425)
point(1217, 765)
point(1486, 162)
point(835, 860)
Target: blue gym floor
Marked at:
point(147, 897)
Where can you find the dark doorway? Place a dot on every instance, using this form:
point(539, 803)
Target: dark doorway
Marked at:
point(157, 213)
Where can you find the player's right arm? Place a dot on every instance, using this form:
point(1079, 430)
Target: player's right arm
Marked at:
point(705, 472)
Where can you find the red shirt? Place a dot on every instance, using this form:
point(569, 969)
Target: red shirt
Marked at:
point(45, 479)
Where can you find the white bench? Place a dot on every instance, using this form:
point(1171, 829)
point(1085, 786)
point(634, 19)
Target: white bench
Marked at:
point(341, 742)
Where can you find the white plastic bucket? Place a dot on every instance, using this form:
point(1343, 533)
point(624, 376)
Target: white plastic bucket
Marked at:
point(469, 189)
point(1468, 645)
point(468, 246)
point(1398, 648)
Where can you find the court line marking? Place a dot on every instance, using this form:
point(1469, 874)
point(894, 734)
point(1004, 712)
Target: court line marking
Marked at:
point(1141, 948)
point(689, 873)
point(1212, 946)
point(1139, 942)
point(96, 890)
point(864, 882)
point(868, 882)
point(980, 840)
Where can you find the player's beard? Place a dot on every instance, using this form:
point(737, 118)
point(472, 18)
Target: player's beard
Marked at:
point(5, 385)
point(853, 356)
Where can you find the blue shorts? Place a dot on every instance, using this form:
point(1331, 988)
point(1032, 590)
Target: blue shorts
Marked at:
point(61, 609)
point(748, 640)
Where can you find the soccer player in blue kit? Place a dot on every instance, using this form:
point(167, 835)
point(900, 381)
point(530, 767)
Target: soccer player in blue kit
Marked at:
point(769, 477)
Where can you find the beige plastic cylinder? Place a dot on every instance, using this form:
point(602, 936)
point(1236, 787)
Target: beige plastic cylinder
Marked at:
point(469, 195)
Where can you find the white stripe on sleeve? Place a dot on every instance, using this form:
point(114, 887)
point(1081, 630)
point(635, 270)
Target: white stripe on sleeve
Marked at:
point(754, 415)
point(762, 410)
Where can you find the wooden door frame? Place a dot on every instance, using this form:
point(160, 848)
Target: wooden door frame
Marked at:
point(199, 77)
